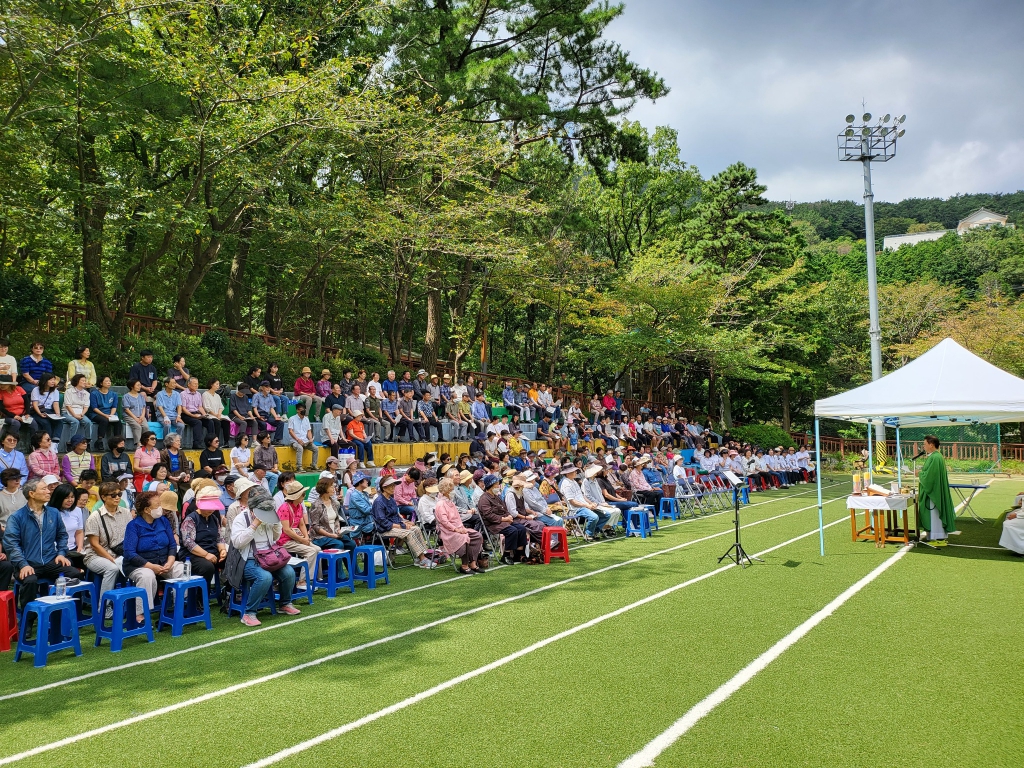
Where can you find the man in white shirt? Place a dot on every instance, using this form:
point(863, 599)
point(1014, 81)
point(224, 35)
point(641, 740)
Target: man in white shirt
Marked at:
point(302, 436)
point(592, 492)
point(8, 365)
point(579, 506)
point(770, 466)
point(803, 460)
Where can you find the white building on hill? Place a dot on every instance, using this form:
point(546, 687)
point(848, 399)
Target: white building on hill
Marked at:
point(893, 242)
point(981, 218)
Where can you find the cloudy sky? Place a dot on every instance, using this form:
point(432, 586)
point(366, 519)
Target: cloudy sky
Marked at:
point(770, 82)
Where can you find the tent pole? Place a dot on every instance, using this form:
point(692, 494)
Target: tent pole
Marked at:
point(999, 447)
point(871, 451)
point(817, 475)
point(899, 459)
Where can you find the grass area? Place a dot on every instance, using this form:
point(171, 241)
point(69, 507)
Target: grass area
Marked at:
point(893, 678)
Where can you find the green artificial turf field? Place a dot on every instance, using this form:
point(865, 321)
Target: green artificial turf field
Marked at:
point(579, 664)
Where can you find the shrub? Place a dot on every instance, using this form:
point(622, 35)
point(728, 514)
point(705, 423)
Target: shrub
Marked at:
point(763, 435)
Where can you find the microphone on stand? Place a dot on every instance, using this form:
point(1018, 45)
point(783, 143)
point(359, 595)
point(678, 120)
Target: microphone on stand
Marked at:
point(918, 456)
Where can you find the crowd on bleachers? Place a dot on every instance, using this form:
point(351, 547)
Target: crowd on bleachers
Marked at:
point(236, 515)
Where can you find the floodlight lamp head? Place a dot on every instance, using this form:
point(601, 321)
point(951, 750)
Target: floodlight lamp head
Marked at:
point(885, 119)
point(866, 117)
point(885, 131)
point(865, 131)
point(900, 134)
point(849, 132)
point(850, 119)
point(902, 118)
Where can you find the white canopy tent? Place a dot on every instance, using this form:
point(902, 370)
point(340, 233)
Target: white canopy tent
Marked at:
point(947, 384)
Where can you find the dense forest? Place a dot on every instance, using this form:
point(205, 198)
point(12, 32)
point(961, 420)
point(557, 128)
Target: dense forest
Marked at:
point(461, 180)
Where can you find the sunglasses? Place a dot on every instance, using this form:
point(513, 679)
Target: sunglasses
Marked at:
point(117, 495)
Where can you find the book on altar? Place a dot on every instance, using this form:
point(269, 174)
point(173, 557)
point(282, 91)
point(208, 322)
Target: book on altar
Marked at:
point(877, 490)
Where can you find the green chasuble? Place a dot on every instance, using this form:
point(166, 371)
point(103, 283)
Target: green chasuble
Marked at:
point(933, 486)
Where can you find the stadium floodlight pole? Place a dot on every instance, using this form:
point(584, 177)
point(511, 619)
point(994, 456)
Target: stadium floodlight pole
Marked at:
point(864, 143)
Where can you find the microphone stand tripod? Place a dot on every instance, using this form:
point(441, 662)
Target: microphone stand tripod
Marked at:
point(736, 553)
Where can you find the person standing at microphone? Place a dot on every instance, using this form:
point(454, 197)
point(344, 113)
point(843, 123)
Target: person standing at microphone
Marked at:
point(934, 500)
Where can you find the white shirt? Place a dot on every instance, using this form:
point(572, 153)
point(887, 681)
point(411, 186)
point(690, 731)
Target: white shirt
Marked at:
point(707, 463)
point(803, 459)
point(74, 520)
point(300, 427)
point(572, 492)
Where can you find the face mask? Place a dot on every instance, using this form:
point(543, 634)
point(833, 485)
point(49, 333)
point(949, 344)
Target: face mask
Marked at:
point(155, 513)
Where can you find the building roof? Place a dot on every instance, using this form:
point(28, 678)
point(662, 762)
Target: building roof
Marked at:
point(982, 215)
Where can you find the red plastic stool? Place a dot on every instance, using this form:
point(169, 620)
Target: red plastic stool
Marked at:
point(561, 546)
point(8, 620)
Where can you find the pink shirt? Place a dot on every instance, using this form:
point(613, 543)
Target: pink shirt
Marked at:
point(191, 401)
point(405, 493)
point(290, 512)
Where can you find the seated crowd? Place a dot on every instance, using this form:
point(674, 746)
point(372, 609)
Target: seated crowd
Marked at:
point(138, 517)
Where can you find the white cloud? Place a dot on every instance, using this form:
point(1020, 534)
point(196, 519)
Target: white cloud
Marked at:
point(771, 87)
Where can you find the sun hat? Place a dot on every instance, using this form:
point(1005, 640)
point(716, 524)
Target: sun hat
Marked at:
point(432, 488)
point(359, 477)
point(206, 498)
point(294, 490)
point(569, 470)
point(125, 476)
point(305, 369)
point(388, 481)
point(421, 372)
point(50, 479)
point(592, 470)
point(331, 460)
point(490, 481)
point(325, 370)
point(242, 485)
point(465, 476)
point(509, 472)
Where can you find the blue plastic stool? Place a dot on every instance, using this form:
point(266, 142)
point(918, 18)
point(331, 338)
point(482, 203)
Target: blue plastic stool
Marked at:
point(269, 600)
point(331, 580)
point(638, 521)
point(744, 495)
point(56, 630)
point(42, 588)
point(183, 610)
point(78, 589)
point(667, 508)
point(307, 593)
point(367, 569)
point(123, 623)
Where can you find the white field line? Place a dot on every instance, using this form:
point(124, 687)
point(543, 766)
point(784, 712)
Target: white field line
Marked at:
point(417, 698)
point(380, 641)
point(312, 616)
point(647, 755)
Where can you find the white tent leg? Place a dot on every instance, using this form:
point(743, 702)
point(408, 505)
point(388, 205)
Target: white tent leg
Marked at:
point(899, 460)
point(817, 475)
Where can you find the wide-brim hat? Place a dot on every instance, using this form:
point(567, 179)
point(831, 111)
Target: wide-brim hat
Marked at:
point(325, 371)
point(465, 476)
point(593, 470)
point(388, 481)
point(294, 490)
point(306, 369)
point(569, 470)
point(242, 485)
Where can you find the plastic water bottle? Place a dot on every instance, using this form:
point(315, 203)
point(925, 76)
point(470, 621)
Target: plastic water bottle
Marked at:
point(188, 567)
point(62, 586)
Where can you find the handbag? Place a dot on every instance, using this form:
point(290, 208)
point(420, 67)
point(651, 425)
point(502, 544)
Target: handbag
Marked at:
point(117, 549)
point(272, 558)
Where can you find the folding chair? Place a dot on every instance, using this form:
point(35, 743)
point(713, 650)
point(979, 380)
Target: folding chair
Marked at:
point(388, 542)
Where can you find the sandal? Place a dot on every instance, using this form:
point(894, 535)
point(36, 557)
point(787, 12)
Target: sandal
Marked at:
point(464, 570)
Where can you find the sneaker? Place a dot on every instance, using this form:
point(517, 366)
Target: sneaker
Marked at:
point(370, 464)
point(250, 620)
point(401, 551)
point(940, 543)
point(289, 609)
point(109, 613)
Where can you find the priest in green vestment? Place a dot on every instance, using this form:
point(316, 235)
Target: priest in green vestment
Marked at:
point(935, 504)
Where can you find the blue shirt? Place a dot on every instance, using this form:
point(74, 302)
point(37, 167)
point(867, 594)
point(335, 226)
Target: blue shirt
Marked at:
point(148, 542)
point(508, 396)
point(104, 403)
point(263, 403)
point(360, 511)
point(389, 386)
point(385, 514)
point(170, 403)
point(389, 406)
point(14, 460)
point(479, 411)
point(29, 366)
point(404, 386)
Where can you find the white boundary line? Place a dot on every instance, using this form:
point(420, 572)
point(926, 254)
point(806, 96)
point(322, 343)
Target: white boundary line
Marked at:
point(415, 630)
point(415, 699)
point(329, 612)
point(647, 755)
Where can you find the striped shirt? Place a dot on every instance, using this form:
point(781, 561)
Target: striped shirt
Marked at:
point(42, 463)
point(109, 531)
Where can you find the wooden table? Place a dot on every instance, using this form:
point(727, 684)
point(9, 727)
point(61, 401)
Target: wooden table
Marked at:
point(882, 519)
